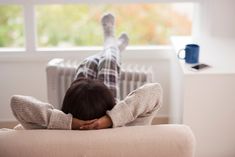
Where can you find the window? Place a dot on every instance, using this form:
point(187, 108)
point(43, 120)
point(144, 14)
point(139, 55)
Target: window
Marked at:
point(78, 25)
point(11, 26)
point(42, 25)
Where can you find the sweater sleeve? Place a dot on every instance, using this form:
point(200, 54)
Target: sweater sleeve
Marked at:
point(34, 114)
point(139, 107)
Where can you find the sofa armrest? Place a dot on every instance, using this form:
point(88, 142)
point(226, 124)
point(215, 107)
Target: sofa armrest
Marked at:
point(157, 140)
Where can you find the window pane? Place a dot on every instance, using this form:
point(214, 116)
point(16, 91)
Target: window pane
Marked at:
point(78, 25)
point(11, 26)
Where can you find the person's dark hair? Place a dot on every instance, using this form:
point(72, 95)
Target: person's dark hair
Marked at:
point(87, 99)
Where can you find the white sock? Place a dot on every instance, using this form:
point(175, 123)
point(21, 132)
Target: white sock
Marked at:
point(123, 41)
point(108, 25)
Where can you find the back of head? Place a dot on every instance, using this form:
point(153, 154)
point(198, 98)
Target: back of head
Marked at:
point(87, 99)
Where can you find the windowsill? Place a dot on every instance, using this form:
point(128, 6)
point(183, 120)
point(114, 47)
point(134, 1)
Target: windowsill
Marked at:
point(44, 54)
point(82, 48)
point(7, 50)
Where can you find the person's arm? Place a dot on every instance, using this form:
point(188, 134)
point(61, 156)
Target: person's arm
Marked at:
point(139, 107)
point(34, 114)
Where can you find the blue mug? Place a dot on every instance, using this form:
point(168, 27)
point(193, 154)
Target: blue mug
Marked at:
point(191, 53)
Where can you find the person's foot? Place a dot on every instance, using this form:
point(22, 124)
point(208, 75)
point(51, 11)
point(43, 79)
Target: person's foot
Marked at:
point(108, 25)
point(123, 41)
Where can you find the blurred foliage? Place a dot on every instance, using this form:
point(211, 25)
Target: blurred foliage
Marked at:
point(75, 25)
point(11, 26)
point(79, 25)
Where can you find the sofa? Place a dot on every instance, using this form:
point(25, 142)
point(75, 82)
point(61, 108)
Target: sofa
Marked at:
point(165, 140)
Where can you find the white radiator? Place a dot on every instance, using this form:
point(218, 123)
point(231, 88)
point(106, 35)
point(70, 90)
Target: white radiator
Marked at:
point(60, 74)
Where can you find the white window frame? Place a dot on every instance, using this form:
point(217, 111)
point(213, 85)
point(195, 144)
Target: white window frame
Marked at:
point(30, 47)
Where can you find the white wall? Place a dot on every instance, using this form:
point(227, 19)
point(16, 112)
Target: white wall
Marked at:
point(25, 74)
point(20, 77)
point(215, 18)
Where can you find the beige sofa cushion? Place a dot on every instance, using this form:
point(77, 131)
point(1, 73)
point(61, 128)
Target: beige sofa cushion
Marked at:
point(143, 141)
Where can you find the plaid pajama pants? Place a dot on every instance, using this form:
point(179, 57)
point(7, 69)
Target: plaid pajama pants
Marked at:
point(105, 67)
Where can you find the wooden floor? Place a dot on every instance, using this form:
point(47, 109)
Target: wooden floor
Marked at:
point(160, 120)
point(9, 125)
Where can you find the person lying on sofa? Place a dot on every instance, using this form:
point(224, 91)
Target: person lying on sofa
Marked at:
point(91, 102)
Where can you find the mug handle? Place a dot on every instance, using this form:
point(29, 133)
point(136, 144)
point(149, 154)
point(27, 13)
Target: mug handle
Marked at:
point(179, 52)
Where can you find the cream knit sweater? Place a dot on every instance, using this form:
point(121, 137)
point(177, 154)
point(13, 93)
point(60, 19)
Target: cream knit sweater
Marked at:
point(138, 108)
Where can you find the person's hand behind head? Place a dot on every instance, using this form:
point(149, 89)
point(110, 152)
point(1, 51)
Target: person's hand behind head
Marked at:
point(101, 123)
point(77, 123)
